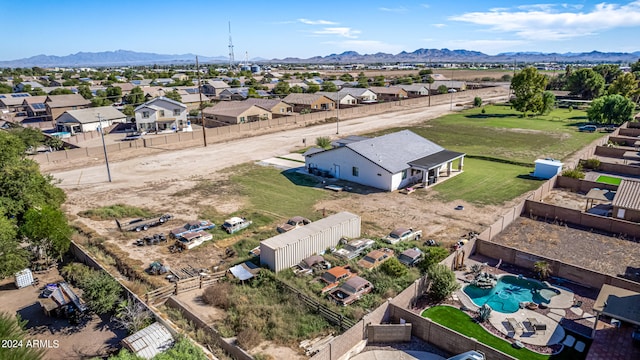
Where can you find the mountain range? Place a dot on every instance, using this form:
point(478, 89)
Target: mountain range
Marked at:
point(125, 57)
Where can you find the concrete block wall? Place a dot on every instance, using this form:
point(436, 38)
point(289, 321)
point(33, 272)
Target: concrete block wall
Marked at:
point(389, 333)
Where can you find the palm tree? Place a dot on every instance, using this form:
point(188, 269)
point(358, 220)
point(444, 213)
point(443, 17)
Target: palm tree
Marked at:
point(542, 268)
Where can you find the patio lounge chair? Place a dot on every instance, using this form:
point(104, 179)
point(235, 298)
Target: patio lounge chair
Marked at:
point(514, 325)
point(537, 326)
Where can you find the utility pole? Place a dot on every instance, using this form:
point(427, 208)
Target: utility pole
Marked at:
point(204, 128)
point(451, 92)
point(338, 113)
point(104, 147)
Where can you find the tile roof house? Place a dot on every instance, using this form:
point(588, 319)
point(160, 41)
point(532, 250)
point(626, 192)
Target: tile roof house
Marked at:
point(85, 120)
point(162, 114)
point(345, 99)
point(389, 162)
point(389, 93)
point(58, 104)
point(235, 112)
point(416, 90)
point(312, 102)
point(35, 108)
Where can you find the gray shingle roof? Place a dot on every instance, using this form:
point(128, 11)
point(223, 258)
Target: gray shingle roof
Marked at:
point(90, 115)
point(394, 151)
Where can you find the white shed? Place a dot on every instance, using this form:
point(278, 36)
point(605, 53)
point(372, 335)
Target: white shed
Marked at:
point(285, 250)
point(150, 341)
point(547, 168)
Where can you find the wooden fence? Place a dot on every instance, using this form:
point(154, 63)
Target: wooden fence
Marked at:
point(160, 295)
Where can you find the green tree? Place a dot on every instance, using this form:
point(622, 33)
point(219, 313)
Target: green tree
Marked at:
point(442, 89)
point(5, 88)
point(363, 80)
point(101, 291)
point(346, 77)
point(323, 142)
point(610, 109)
point(543, 269)
point(183, 349)
point(85, 92)
point(234, 83)
point(379, 80)
point(124, 354)
point(433, 255)
point(11, 329)
point(296, 89)
point(313, 88)
point(548, 102)
point(37, 92)
point(329, 86)
point(394, 268)
point(586, 83)
point(626, 85)
point(54, 143)
point(47, 231)
point(13, 257)
point(135, 97)
point(30, 137)
point(528, 86)
point(114, 93)
point(129, 110)
point(174, 95)
point(281, 88)
point(442, 282)
point(609, 72)
point(63, 91)
point(477, 101)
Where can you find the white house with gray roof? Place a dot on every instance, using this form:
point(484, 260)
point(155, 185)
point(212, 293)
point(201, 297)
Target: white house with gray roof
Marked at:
point(85, 120)
point(389, 162)
point(161, 114)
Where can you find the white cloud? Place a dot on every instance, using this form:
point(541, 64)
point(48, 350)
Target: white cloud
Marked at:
point(426, 6)
point(316, 22)
point(340, 31)
point(541, 22)
point(439, 25)
point(399, 9)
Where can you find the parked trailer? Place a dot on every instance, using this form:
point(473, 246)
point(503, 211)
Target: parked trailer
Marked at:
point(143, 224)
point(285, 250)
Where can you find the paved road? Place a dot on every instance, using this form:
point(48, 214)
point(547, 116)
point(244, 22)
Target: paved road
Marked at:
point(194, 162)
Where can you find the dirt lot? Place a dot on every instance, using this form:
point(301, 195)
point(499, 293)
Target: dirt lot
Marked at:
point(95, 338)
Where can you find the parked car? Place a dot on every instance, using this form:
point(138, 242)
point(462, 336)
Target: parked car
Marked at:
point(235, 224)
point(354, 248)
point(192, 226)
point(411, 257)
point(191, 239)
point(402, 234)
point(351, 291)
point(588, 128)
point(375, 258)
point(308, 265)
point(293, 223)
point(332, 277)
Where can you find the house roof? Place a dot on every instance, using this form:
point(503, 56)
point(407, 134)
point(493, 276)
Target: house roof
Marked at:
point(356, 92)
point(218, 84)
point(628, 195)
point(58, 101)
point(303, 232)
point(313, 150)
point(348, 140)
point(394, 151)
point(267, 104)
point(434, 160)
point(228, 108)
point(335, 95)
point(90, 115)
point(304, 99)
point(414, 87)
point(193, 98)
point(35, 99)
point(149, 341)
point(386, 89)
point(161, 98)
point(618, 303)
point(13, 99)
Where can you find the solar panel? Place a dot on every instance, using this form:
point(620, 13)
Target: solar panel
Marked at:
point(19, 95)
point(38, 106)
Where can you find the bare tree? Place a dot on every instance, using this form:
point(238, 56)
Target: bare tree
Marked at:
point(132, 315)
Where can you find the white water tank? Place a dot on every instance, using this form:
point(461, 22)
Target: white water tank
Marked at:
point(24, 278)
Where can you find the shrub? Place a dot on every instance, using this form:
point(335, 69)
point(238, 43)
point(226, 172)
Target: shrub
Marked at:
point(484, 313)
point(442, 282)
point(218, 295)
point(542, 268)
point(394, 268)
point(592, 163)
point(576, 173)
point(432, 256)
point(477, 101)
point(115, 212)
point(249, 338)
point(101, 291)
point(323, 142)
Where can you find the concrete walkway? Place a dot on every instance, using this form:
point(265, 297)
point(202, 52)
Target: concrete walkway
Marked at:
point(525, 333)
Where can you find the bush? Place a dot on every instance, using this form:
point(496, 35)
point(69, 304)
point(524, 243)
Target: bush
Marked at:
point(432, 256)
point(477, 101)
point(592, 163)
point(249, 338)
point(101, 291)
point(576, 173)
point(442, 282)
point(218, 295)
point(116, 211)
point(484, 313)
point(323, 142)
point(394, 268)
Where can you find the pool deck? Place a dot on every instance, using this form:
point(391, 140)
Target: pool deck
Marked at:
point(525, 332)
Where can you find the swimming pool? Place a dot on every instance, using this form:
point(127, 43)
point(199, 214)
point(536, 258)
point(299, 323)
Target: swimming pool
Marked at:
point(509, 292)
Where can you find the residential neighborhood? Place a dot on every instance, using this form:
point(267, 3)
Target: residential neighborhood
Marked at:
point(288, 210)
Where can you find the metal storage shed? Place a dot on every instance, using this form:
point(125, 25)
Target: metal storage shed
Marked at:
point(149, 341)
point(546, 169)
point(285, 250)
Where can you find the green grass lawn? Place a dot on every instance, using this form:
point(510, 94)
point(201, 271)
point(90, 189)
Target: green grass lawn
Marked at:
point(608, 180)
point(487, 183)
point(502, 133)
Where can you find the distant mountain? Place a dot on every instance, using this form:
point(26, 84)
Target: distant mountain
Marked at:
point(108, 58)
point(125, 57)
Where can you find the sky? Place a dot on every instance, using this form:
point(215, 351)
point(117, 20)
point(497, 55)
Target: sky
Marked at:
point(278, 29)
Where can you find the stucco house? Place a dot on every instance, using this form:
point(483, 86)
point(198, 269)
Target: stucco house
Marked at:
point(214, 87)
point(277, 107)
point(389, 93)
point(235, 112)
point(85, 120)
point(160, 114)
point(58, 104)
point(416, 90)
point(312, 102)
point(345, 99)
point(389, 162)
point(364, 95)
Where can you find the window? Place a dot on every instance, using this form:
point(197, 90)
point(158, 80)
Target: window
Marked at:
point(176, 112)
point(145, 114)
point(161, 113)
point(355, 171)
point(404, 174)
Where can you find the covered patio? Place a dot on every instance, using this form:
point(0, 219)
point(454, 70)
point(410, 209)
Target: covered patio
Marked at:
point(431, 166)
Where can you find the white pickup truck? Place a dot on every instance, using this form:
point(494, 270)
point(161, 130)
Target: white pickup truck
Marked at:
point(402, 234)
